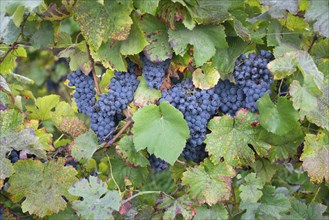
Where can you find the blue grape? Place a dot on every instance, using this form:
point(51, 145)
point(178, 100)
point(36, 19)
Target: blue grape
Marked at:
point(157, 164)
point(84, 94)
point(232, 97)
point(252, 75)
point(154, 72)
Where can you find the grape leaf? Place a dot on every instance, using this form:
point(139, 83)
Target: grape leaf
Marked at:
point(319, 12)
point(10, 32)
point(62, 110)
point(44, 36)
point(250, 191)
point(147, 6)
point(60, 12)
point(170, 12)
point(205, 40)
point(85, 146)
point(272, 205)
point(156, 34)
point(43, 107)
point(264, 169)
point(284, 146)
point(9, 63)
point(9, 121)
point(294, 23)
point(229, 138)
point(42, 185)
point(101, 22)
point(162, 130)
point(278, 9)
point(144, 95)
point(315, 156)
point(217, 211)
point(301, 211)
point(209, 12)
point(128, 152)
point(209, 183)
point(205, 77)
point(18, 15)
point(224, 59)
point(173, 207)
point(78, 57)
point(98, 202)
point(68, 213)
point(288, 63)
point(279, 119)
point(307, 100)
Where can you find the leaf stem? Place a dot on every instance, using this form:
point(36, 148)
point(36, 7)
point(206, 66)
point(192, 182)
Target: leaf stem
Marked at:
point(111, 173)
point(98, 91)
point(128, 123)
point(143, 193)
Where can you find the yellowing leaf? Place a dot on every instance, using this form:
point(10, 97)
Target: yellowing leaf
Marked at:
point(315, 156)
point(209, 183)
point(205, 77)
point(42, 185)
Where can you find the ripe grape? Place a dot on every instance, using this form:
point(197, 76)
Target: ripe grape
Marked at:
point(154, 72)
point(157, 164)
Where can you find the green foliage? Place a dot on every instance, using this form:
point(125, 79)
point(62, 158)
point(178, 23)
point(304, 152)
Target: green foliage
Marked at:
point(162, 130)
point(270, 164)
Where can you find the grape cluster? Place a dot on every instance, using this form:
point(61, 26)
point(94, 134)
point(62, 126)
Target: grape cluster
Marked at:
point(84, 94)
point(231, 97)
point(157, 164)
point(252, 75)
point(14, 156)
point(154, 72)
point(197, 106)
point(107, 111)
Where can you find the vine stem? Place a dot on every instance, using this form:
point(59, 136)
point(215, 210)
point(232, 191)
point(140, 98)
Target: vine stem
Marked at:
point(111, 173)
point(98, 91)
point(144, 193)
point(128, 123)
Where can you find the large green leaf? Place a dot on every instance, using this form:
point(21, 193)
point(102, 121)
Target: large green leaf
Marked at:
point(250, 191)
point(315, 156)
point(209, 183)
point(147, 6)
point(156, 34)
point(173, 207)
point(279, 119)
point(217, 211)
point(224, 59)
point(101, 22)
point(229, 138)
point(8, 64)
point(272, 205)
point(205, 40)
point(300, 211)
point(307, 100)
point(319, 12)
point(42, 185)
point(85, 146)
point(43, 107)
point(264, 169)
point(9, 121)
point(162, 130)
point(98, 202)
point(128, 152)
point(44, 36)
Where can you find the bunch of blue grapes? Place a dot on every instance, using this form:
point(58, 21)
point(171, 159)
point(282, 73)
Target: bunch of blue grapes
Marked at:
point(154, 72)
point(231, 97)
point(197, 106)
point(14, 156)
point(252, 75)
point(157, 164)
point(107, 111)
point(84, 94)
